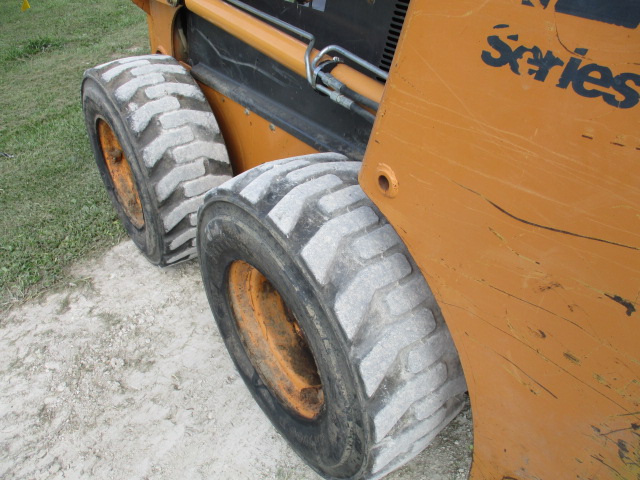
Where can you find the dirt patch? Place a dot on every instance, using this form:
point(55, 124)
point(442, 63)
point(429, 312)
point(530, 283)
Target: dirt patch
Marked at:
point(124, 375)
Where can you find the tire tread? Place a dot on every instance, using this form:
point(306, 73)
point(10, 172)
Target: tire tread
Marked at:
point(400, 348)
point(176, 136)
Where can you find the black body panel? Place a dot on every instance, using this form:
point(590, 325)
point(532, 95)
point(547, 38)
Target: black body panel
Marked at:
point(367, 28)
point(267, 88)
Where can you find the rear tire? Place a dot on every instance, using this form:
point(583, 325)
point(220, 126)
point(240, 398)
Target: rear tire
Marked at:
point(385, 377)
point(158, 148)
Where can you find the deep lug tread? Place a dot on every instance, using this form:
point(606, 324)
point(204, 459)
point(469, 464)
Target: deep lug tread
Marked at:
point(376, 242)
point(184, 255)
point(407, 296)
point(341, 199)
point(260, 185)
point(398, 344)
point(112, 73)
point(158, 68)
point(291, 207)
point(143, 115)
point(182, 117)
point(127, 60)
point(200, 185)
point(126, 92)
point(181, 239)
point(412, 389)
point(321, 251)
point(172, 217)
point(176, 137)
point(170, 182)
point(182, 89)
point(188, 152)
point(376, 362)
point(353, 301)
point(166, 140)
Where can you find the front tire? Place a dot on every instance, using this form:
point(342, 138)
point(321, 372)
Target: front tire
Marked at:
point(327, 317)
point(158, 148)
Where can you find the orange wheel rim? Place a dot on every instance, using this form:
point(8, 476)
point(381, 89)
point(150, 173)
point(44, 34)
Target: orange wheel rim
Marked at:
point(274, 341)
point(121, 175)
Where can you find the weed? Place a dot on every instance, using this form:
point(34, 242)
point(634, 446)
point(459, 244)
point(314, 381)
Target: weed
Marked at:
point(33, 47)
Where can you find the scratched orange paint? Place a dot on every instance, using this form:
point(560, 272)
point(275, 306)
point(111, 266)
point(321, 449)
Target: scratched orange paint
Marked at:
point(509, 131)
point(511, 128)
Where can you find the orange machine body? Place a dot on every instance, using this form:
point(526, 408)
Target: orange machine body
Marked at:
point(506, 153)
point(509, 132)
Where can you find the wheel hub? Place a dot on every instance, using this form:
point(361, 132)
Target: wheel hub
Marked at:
point(121, 174)
point(274, 341)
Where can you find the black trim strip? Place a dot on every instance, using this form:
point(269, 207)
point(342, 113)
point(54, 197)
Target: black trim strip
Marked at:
point(624, 13)
point(303, 128)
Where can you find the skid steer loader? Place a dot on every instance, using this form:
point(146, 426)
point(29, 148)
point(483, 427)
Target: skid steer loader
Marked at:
point(396, 202)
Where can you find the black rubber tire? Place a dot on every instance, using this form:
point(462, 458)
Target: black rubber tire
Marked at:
point(390, 371)
point(171, 141)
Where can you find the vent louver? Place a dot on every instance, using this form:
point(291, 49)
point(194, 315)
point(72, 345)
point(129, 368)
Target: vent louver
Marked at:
point(395, 26)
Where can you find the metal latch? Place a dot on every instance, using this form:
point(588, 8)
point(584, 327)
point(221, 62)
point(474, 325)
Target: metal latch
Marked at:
point(316, 68)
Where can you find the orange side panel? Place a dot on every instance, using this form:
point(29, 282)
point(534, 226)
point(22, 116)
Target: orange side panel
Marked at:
point(143, 4)
point(507, 142)
point(250, 139)
point(160, 20)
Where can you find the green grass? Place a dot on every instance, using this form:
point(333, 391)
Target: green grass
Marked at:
point(32, 47)
point(53, 206)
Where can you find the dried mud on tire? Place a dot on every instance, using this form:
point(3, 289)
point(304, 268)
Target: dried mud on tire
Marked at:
point(124, 375)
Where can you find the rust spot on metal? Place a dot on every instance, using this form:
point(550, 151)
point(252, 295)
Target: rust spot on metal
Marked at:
point(551, 286)
point(619, 141)
point(628, 450)
point(623, 449)
point(625, 303)
point(601, 381)
point(124, 183)
point(589, 133)
point(538, 333)
point(274, 341)
point(571, 358)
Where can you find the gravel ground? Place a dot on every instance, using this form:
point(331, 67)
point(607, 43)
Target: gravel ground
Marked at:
point(123, 375)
